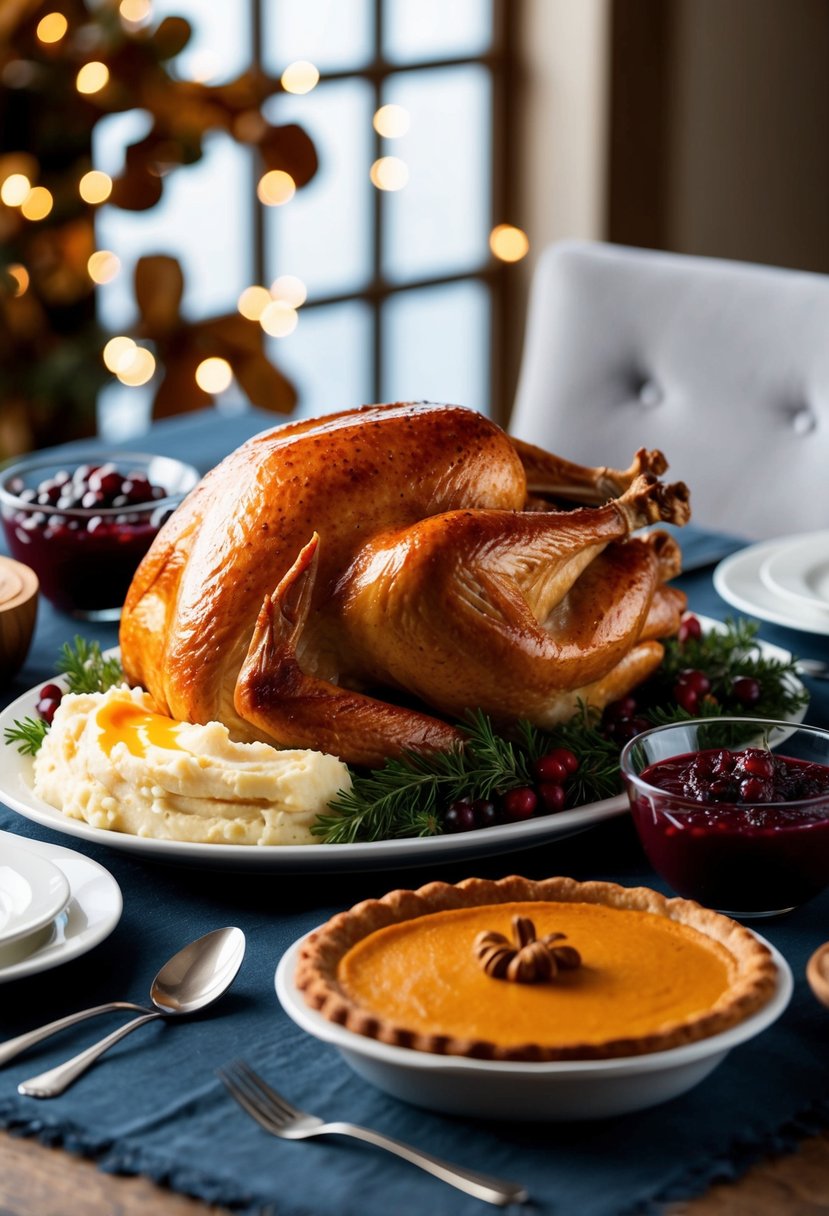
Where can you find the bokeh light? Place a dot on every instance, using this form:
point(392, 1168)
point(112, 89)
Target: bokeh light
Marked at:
point(279, 319)
point(92, 77)
point(52, 27)
point(118, 353)
point(509, 243)
point(290, 290)
point(20, 275)
point(95, 186)
point(15, 189)
point(389, 173)
point(103, 266)
point(214, 375)
point(392, 121)
point(300, 77)
point(136, 12)
point(139, 369)
point(253, 301)
point(275, 188)
point(38, 203)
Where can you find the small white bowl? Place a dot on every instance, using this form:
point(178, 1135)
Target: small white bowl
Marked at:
point(561, 1090)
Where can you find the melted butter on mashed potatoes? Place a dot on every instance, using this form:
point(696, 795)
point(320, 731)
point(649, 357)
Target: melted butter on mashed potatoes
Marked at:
point(111, 761)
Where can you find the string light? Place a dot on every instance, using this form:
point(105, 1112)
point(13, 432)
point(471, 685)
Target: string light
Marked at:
point(300, 77)
point(253, 301)
point(275, 188)
point(391, 121)
point(389, 173)
point(15, 189)
point(38, 203)
point(119, 353)
point(52, 27)
point(103, 266)
point(279, 319)
point(92, 77)
point(136, 12)
point(508, 243)
point(20, 275)
point(214, 375)
point(139, 369)
point(95, 186)
point(288, 289)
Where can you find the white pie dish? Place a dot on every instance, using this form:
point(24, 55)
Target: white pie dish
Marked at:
point(515, 1090)
point(798, 570)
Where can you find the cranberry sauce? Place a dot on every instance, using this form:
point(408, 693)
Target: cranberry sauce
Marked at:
point(85, 533)
point(746, 831)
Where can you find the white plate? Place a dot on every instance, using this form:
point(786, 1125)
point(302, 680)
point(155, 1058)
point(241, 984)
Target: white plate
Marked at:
point(799, 571)
point(565, 1090)
point(739, 582)
point(93, 911)
point(33, 891)
point(16, 792)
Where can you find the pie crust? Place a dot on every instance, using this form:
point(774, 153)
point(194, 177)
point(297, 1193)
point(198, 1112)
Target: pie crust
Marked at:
point(749, 966)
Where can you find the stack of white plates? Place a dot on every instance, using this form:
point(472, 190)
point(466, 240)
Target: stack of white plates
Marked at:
point(785, 581)
point(54, 905)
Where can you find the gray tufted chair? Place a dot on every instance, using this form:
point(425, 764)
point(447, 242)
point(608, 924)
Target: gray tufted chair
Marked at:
point(722, 365)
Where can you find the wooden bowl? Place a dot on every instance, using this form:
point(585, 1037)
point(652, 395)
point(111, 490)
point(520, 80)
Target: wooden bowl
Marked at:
point(18, 610)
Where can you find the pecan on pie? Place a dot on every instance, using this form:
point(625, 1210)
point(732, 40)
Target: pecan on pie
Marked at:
point(534, 970)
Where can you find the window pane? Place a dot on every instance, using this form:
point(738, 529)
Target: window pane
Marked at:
point(432, 29)
point(333, 34)
point(436, 345)
point(327, 358)
point(322, 235)
point(219, 47)
point(216, 258)
point(439, 222)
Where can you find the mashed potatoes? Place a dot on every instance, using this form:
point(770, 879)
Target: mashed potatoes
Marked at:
point(112, 762)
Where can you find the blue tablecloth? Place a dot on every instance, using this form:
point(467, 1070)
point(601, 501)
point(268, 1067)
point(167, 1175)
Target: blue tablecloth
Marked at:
point(155, 1107)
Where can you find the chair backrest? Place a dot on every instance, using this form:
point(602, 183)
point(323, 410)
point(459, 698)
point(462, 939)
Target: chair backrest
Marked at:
point(722, 365)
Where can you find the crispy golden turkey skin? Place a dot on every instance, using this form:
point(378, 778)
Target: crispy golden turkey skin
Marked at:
point(351, 583)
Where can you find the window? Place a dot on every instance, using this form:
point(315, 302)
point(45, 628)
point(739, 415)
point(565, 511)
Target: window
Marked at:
point(390, 238)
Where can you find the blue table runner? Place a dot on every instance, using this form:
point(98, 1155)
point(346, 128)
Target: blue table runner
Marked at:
point(154, 1106)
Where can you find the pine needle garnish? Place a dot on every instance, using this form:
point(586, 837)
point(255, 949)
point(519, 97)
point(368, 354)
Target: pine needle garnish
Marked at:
point(85, 669)
point(28, 734)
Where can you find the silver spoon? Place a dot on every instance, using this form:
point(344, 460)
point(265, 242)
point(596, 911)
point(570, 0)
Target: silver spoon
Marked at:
point(193, 979)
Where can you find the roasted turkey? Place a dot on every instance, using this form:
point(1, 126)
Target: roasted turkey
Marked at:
point(355, 583)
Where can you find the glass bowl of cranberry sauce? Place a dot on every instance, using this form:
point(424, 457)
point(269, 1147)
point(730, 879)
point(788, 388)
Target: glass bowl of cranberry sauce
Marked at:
point(83, 521)
point(733, 812)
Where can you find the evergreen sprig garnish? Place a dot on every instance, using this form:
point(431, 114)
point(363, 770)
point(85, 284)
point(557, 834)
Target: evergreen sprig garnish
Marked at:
point(725, 655)
point(28, 734)
point(86, 669)
point(406, 797)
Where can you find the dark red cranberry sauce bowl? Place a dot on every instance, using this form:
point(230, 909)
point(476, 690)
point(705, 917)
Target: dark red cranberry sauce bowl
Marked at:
point(84, 522)
point(734, 812)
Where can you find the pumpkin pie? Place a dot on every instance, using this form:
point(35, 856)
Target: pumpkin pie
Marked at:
point(518, 969)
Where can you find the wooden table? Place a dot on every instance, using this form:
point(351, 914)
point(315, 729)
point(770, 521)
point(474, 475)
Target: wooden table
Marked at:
point(40, 1181)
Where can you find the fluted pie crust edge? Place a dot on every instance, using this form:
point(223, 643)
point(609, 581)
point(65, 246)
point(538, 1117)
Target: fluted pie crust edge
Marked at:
point(316, 974)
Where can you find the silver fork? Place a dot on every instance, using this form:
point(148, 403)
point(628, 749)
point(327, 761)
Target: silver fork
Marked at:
point(275, 1115)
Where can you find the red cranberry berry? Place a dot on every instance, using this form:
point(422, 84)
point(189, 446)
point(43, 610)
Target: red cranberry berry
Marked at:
point(689, 628)
point(519, 804)
point(53, 691)
point(746, 690)
point(46, 707)
point(459, 816)
point(486, 813)
point(551, 797)
point(624, 708)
